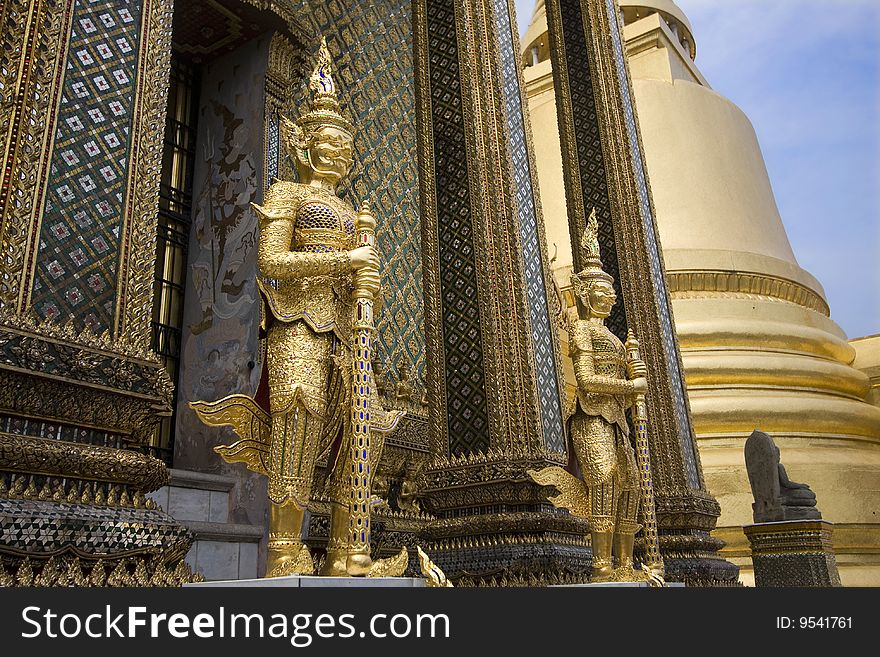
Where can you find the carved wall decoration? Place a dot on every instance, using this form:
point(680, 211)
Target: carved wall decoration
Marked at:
point(32, 67)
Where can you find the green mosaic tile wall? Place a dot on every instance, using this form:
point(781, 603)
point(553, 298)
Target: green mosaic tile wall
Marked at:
point(76, 271)
point(371, 45)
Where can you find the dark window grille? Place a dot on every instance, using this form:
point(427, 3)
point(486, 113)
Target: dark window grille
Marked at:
point(175, 208)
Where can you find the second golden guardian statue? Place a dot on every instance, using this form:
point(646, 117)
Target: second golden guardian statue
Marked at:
point(615, 482)
point(320, 273)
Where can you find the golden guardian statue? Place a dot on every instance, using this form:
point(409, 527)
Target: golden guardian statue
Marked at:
point(320, 271)
point(611, 378)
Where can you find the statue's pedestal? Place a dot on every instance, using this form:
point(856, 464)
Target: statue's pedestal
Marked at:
point(793, 553)
point(305, 582)
point(618, 585)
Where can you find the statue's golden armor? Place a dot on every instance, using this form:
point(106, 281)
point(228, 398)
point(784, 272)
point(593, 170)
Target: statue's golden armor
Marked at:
point(600, 439)
point(307, 260)
point(611, 490)
point(305, 237)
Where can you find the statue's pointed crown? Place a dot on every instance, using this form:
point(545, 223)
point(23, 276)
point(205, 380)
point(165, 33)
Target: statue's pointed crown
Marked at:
point(591, 255)
point(324, 102)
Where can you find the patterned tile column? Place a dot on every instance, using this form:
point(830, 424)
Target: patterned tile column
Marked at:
point(83, 89)
point(493, 363)
point(604, 169)
point(83, 121)
point(371, 44)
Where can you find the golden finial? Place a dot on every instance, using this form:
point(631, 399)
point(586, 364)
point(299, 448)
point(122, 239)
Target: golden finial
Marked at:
point(321, 81)
point(590, 241)
point(591, 257)
point(323, 107)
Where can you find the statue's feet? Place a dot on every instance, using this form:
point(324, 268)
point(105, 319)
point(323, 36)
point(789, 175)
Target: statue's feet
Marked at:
point(343, 564)
point(626, 573)
point(602, 574)
point(335, 564)
point(358, 564)
point(293, 560)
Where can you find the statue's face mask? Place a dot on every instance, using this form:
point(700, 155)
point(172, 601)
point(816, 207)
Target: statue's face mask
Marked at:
point(330, 152)
point(601, 299)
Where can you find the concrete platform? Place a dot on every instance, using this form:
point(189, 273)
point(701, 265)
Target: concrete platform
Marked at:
point(222, 550)
point(622, 585)
point(304, 582)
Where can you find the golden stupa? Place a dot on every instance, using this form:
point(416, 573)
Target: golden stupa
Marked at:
point(759, 347)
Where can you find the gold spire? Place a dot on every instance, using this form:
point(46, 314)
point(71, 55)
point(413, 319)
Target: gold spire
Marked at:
point(591, 254)
point(323, 106)
point(321, 81)
point(590, 242)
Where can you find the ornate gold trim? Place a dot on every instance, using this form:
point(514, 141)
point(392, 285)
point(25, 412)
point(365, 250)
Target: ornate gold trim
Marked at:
point(438, 430)
point(690, 284)
point(40, 456)
point(514, 529)
point(432, 573)
point(72, 491)
point(34, 32)
point(514, 412)
point(67, 334)
point(83, 405)
point(71, 567)
point(286, 11)
point(549, 283)
point(286, 66)
point(137, 257)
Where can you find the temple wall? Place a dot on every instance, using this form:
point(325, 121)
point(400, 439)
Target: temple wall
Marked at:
point(220, 352)
point(371, 44)
point(81, 112)
point(84, 87)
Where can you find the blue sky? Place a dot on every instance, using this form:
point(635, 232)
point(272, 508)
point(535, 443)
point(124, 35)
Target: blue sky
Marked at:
point(807, 74)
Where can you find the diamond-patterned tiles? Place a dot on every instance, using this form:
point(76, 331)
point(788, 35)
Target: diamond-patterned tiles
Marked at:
point(662, 305)
point(594, 185)
point(466, 402)
point(542, 335)
point(273, 148)
point(76, 269)
point(371, 45)
point(54, 526)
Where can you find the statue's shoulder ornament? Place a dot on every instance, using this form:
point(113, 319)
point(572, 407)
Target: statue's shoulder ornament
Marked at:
point(282, 200)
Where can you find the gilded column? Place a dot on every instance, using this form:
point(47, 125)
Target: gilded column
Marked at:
point(83, 131)
point(493, 364)
point(604, 170)
point(82, 117)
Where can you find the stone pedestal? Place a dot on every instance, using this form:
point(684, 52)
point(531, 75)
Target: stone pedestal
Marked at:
point(793, 553)
point(620, 585)
point(303, 582)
